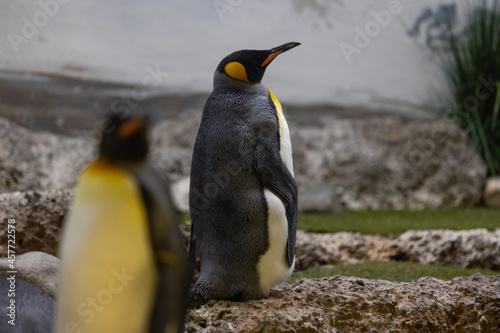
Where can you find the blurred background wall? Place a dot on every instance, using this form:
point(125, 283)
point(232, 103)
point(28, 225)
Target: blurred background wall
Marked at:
point(370, 54)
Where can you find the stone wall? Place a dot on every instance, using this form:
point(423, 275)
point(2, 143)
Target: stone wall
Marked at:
point(376, 163)
point(387, 163)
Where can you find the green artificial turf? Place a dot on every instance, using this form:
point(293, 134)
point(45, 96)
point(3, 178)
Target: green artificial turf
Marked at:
point(393, 222)
point(386, 222)
point(392, 271)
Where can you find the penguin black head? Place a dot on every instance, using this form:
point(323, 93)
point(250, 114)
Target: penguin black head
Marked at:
point(249, 65)
point(123, 138)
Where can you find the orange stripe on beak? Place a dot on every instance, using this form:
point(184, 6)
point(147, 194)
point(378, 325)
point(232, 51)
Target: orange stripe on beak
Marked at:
point(130, 127)
point(270, 58)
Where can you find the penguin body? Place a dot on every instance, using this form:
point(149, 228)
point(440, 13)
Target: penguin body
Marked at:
point(34, 309)
point(123, 262)
point(243, 197)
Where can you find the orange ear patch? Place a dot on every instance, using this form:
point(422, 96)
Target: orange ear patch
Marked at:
point(130, 127)
point(236, 71)
point(270, 58)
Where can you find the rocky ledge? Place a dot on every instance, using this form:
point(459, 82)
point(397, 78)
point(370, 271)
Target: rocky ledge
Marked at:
point(348, 304)
point(477, 248)
point(39, 216)
point(333, 304)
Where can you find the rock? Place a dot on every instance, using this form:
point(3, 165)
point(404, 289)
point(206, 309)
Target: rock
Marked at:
point(39, 161)
point(39, 216)
point(331, 304)
point(377, 162)
point(389, 163)
point(492, 192)
point(349, 304)
point(172, 143)
point(181, 197)
point(463, 248)
point(319, 198)
point(38, 268)
point(314, 249)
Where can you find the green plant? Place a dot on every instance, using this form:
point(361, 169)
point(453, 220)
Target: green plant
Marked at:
point(472, 66)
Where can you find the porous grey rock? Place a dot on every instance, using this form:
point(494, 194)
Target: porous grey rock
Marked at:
point(180, 194)
point(333, 304)
point(39, 161)
point(39, 216)
point(38, 268)
point(389, 162)
point(492, 192)
point(377, 162)
point(319, 198)
point(313, 249)
point(172, 143)
point(462, 248)
point(349, 304)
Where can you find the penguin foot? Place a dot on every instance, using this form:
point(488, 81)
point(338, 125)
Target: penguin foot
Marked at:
point(196, 300)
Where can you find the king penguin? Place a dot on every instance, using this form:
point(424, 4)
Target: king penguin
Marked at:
point(243, 195)
point(124, 266)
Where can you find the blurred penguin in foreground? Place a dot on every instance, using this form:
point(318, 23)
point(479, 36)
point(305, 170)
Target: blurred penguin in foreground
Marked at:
point(124, 265)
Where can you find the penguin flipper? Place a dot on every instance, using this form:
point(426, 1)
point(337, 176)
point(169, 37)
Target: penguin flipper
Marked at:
point(275, 176)
point(192, 256)
point(170, 305)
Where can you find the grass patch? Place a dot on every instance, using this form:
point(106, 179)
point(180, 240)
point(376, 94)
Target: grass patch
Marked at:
point(184, 217)
point(392, 271)
point(387, 222)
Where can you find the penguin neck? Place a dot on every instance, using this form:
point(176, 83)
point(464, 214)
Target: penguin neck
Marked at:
point(224, 82)
point(102, 163)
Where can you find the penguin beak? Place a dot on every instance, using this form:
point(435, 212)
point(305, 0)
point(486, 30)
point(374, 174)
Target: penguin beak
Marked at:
point(274, 52)
point(132, 126)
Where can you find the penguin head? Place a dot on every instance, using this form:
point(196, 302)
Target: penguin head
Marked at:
point(249, 65)
point(123, 138)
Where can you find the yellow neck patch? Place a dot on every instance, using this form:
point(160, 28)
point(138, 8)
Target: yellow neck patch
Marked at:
point(279, 111)
point(103, 165)
point(236, 71)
